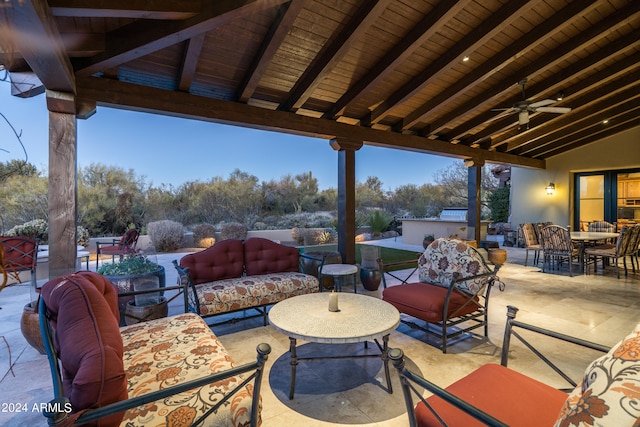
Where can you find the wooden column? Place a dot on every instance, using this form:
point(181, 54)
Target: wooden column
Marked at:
point(346, 149)
point(474, 200)
point(62, 183)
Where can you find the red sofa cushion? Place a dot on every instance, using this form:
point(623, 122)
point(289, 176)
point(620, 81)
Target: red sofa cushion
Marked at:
point(84, 311)
point(224, 260)
point(513, 398)
point(263, 256)
point(426, 301)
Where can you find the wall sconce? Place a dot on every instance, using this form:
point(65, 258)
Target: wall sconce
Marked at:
point(551, 189)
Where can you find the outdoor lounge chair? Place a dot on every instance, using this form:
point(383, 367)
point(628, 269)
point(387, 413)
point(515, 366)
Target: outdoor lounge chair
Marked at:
point(496, 395)
point(126, 245)
point(452, 296)
point(20, 254)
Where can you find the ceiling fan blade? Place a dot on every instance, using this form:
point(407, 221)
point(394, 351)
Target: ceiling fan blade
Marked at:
point(542, 103)
point(559, 110)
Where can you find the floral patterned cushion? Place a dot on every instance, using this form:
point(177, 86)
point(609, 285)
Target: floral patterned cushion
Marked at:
point(173, 350)
point(228, 295)
point(609, 393)
point(443, 257)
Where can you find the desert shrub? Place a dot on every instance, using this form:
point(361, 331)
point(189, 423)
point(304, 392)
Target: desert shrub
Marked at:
point(36, 229)
point(39, 229)
point(204, 235)
point(233, 230)
point(82, 236)
point(298, 235)
point(166, 235)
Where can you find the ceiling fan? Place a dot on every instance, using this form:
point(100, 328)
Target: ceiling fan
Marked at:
point(524, 107)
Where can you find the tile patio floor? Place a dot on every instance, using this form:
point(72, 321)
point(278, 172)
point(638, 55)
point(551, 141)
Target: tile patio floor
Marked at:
point(596, 307)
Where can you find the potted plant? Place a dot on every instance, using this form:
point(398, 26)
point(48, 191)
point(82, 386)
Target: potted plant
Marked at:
point(136, 273)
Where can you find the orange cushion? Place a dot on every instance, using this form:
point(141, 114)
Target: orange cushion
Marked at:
point(507, 395)
point(426, 301)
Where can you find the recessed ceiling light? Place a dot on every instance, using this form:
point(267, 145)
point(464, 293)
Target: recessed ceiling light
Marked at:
point(465, 59)
point(605, 121)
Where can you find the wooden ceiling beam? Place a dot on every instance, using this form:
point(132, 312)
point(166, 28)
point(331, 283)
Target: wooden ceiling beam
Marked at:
point(36, 37)
point(287, 14)
point(136, 9)
point(189, 63)
point(179, 104)
point(416, 37)
point(594, 116)
point(501, 60)
point(143, 37)
point(333, 52)
point(555, 82)
point(625, 122)
point(593, 104)
point(591, 133)
point(478, 36)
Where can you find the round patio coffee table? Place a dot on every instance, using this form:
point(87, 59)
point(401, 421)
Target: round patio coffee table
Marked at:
point(360, 318)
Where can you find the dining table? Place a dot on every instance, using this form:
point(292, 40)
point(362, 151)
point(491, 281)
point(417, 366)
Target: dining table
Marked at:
point(584, 237)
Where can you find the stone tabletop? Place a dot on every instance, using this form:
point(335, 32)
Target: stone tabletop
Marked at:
point(338, 269)
point(361, 318)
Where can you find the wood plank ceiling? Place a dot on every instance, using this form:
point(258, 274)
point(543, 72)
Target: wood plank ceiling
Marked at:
point(422, 75)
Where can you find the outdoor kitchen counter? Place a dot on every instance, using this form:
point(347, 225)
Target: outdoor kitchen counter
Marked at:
point(414, 229)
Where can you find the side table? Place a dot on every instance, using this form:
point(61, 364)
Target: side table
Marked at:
point(338, 272)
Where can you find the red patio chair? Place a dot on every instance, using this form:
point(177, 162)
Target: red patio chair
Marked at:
point(20, 254)
point(126, 245)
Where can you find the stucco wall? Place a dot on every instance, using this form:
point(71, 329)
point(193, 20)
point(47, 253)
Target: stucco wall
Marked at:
point(529, 201)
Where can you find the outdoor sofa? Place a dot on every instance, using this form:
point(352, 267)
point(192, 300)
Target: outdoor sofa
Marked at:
point(168, 371)
point(235, 275)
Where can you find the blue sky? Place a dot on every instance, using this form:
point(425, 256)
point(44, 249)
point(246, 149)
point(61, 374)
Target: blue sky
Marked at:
point(167, 150)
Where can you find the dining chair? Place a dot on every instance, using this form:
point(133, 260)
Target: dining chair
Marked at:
point(531, 243)
point(20, 254)
point(557, 246)
point(604, 227)
point(626, 245)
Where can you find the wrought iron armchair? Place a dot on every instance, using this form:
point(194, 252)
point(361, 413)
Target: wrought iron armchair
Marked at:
point(557, 247)
point(452, 296)
point(626, 246)
point(126, 245)
point(492, 395)
point(20, 254)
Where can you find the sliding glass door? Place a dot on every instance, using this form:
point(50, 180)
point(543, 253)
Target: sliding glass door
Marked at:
point(612, 196)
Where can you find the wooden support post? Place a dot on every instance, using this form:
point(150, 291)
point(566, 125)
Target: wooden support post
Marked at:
point(474, 201)
point(62, 187)
point(346, 196)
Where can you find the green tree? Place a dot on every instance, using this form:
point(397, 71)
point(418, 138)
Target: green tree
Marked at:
point(109, 199)
point(499, 204)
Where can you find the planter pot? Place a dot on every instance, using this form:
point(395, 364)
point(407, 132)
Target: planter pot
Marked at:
point(141, 313)
point(370, 278)
point(129, 282)
point(30, 326)
point(497, 256)
point(310, 266)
